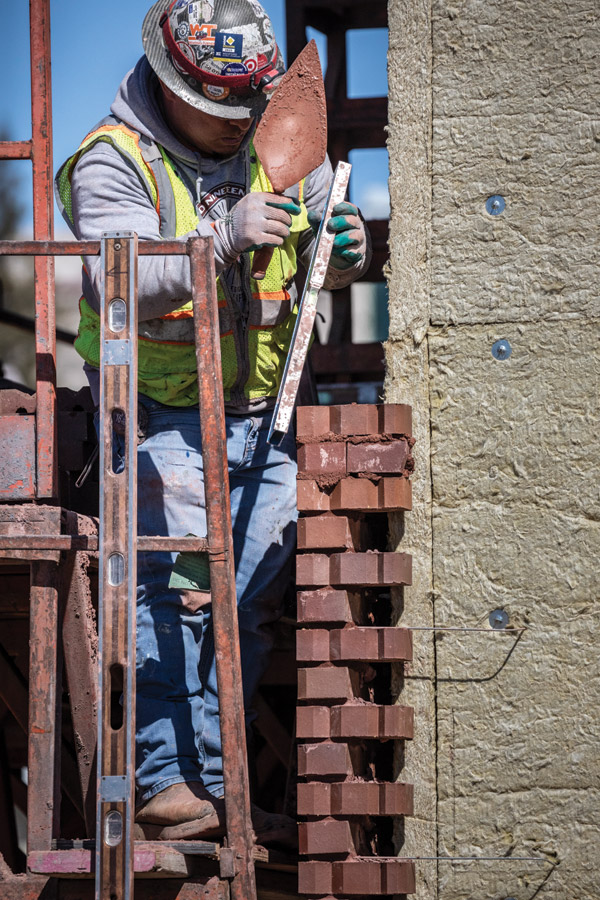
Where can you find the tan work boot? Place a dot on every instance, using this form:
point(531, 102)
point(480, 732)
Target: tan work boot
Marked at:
point(189, 812)
point(182, 811)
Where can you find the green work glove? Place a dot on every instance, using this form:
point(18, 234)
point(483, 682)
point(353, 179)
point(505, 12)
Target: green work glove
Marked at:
point(350, 242)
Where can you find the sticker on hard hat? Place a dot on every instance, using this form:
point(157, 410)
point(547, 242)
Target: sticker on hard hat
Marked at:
point(234, 68)
point(229, 46)
point(202, 34)
point(215, 92)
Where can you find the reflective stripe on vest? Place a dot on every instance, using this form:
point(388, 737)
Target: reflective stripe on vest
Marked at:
point(167, 370)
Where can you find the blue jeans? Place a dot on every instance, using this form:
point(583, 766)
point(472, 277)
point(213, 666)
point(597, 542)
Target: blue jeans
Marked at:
point(177, 719)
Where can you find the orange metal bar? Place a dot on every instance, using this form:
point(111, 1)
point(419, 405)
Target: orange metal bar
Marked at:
point(43, 229)
point(86, 248)
point(15, 149)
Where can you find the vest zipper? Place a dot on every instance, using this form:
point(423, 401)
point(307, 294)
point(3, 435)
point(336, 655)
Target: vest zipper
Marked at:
point(237, 393)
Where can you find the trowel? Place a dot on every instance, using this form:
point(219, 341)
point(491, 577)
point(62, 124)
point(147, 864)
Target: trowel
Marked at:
point(291, 138)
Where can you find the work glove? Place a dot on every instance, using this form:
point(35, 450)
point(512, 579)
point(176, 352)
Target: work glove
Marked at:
point(257, 220)
point(350, 242)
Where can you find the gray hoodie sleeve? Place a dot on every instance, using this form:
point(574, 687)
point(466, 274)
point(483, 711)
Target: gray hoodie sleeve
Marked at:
point(316, 189)
point(108, 195)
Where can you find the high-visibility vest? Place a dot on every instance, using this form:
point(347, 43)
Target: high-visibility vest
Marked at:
point(253, 357)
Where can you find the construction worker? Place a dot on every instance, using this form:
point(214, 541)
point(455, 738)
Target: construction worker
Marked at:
point(175, 158)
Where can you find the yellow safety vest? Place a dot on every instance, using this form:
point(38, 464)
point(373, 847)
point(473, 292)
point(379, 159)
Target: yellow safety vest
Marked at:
point(252, 367)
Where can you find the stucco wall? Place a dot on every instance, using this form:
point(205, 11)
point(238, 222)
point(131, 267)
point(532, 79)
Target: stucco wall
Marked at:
point(507, 503)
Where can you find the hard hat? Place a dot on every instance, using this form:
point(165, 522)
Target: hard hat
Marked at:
point(218, 55)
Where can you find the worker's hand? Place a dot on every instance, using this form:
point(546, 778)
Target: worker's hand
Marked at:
point(350, 243)
point(257, 220)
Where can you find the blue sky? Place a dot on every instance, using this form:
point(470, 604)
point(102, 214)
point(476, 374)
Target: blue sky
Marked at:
point(94, 44)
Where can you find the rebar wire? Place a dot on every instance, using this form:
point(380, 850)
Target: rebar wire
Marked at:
point(464, 628)
point(537, 859)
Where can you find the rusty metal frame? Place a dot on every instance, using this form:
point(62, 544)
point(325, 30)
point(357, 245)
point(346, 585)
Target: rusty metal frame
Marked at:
point(39, 150)
point(237, 857)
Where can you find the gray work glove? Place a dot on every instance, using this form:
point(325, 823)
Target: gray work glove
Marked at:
point(257, 220)
point(350, 243)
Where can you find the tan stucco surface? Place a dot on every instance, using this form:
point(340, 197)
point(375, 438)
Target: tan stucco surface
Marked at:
point(507, 494)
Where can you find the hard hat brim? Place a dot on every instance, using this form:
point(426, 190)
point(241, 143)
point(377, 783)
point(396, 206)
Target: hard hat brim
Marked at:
point(160, 61)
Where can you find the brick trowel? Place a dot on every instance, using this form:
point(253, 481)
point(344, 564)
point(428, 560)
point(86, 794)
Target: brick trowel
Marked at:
point(291, 138)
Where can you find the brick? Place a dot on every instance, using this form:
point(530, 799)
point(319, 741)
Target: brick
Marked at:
point(355, 644)
point(397, 800)
point(323, 760)
point(327, 532)
point(329, 837)
point(370, 569)
point(353, 721)
point(325, 605)
point(383, 458)
point(354, 419)
point(315, 878)
point(312, 569)
point(312, 723)
point(314, 799)
point(386, 495)
point(327, 458)
point(327, 683)
point(310, 498)
point(312, 645)
point(395, 418)
point(356, 798)
point(371, 644)
point(395, 493)
point(369, 721)
point(364, 876)
point(312, 421)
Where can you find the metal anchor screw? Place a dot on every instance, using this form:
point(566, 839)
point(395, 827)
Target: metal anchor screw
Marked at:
point(501, 349)
point(495, 205)
point(498, 618)
point(117, 246)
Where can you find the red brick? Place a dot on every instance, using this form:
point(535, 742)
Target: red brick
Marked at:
point(354, 419)
point(395, 418)
point(312, 645)
point(371, 644)
point(395, 493)
point(315, 878)
point(312, 723)
point(384, 458)
point(325, 533)
point(325, 605)
point(314, 799)
point(327, 683)
point(362, 494)
point(312, 569)
point(397, 799)
point(329, 837)
point(368, 721)
point(355, 798)
point(365, 721)
point(326, 759)
point(310, 498)
point(364, 876)
point(312, 421)
point(327, 458)
point(354, 569)
point(355, 493)
point(370, 569)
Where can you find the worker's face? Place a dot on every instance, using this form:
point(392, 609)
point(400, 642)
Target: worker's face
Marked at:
point(210, 135)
